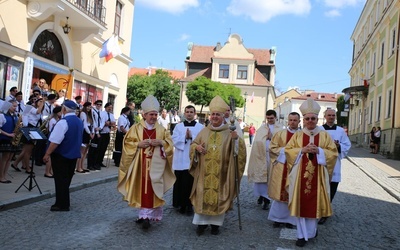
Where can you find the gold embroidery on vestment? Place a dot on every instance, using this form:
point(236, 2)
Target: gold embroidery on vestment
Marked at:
point(309, 175)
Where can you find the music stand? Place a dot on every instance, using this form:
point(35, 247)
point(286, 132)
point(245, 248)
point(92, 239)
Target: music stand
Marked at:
point(32, 135)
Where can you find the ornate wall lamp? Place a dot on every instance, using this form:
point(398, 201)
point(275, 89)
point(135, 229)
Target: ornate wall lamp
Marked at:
point(66, 28)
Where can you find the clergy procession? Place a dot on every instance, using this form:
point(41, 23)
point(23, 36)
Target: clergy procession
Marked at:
point(295, 172)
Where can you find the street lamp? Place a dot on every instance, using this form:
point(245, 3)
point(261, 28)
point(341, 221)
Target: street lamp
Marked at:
point(244, 107)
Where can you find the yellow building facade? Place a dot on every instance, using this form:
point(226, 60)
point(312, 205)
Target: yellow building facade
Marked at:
point(373, 96)
point(60, 41)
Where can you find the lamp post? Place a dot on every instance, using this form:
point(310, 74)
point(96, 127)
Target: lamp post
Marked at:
point(244, 107)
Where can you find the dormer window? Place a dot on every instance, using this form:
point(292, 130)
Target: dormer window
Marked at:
point(223, 71)
point(242, 72)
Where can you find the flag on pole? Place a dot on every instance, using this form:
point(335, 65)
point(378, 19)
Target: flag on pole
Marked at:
point(252, 97)
point(110, 48)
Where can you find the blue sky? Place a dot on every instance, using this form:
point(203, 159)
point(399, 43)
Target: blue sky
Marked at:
point(312, 37)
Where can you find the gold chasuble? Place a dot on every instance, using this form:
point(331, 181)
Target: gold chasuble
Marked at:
point(309, 181)
point(213, 188)
point(279, 172)
point(145, 174)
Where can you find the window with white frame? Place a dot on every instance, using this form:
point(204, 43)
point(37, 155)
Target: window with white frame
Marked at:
point(359, 118)
point(373, 63)
point(393, 42)
point(242, 72)
point(118, 17)
point(223, 71)
point(371, 108)
point(382, 53)
point(389, 103)
point(378, 108)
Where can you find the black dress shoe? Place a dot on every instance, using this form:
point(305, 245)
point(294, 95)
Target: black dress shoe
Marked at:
point(301, 242)
point(139, 221)
point(266, 204)
point(182, 210)
point(102, 165)
point(288, 225)
point(59, 209)
point(15, 168)
point(322, 220)
point(146, 224)
point(200, 229)
point(214, 229)
point(48, 176)
point(260, 200)
point(277, 224)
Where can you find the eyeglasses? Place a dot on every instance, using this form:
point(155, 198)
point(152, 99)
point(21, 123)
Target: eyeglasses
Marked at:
point(310, 118)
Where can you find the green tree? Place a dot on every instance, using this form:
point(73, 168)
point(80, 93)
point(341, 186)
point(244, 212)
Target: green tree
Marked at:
point(235, 92)
point(161, 85)
point(341, 121)
point(202, 90)
point(138, 88)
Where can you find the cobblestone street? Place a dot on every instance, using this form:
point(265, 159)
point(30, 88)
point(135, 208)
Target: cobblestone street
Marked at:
point(365, 217)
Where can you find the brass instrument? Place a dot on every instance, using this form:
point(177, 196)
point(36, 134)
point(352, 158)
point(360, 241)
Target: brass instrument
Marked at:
point(44, 127)
point(17, 133)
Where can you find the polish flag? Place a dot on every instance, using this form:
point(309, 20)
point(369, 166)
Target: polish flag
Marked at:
point(110, 48)
point(252, 97)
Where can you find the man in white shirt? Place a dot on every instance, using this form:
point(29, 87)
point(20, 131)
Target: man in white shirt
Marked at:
point(182, 137)
point(21, 104)
point(49, 106)
point(13, 92)
point(94, 145)
point(109, 124)
point(343, 145)
point(163, 119)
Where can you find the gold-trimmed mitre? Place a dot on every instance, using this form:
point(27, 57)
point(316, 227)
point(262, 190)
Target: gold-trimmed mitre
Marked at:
point(309, 106)
point(218, 104)
point(150, 104)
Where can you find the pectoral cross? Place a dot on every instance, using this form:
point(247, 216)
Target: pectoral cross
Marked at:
point(214, 147)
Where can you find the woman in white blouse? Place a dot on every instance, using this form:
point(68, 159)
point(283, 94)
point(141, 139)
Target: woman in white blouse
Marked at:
point(87, 136)
point(33, 119)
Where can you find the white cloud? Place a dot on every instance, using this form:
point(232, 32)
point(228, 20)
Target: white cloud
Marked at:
point(332, 13)
point(183, 37)
point(340, 4)
point(171, 6)
point(263, 11)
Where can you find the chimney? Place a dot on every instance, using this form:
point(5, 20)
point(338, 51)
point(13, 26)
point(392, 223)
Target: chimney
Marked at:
point(218, 47)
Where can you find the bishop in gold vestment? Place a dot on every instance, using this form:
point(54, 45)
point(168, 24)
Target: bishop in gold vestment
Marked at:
point(213, 169)
point(145, 171)
point(311, 156)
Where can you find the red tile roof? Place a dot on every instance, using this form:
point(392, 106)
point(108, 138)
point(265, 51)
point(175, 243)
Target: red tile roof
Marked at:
point(203, 54)
point(176, 74)
point(260, 80)
point(319, 97)
point(205, 72)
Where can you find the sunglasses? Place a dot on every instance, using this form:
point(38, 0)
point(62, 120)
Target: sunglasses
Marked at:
point(310, 118)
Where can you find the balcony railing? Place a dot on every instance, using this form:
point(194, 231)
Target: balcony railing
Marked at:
point(92, 8)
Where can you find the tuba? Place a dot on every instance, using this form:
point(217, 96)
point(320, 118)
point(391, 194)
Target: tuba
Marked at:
point(16, 141)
